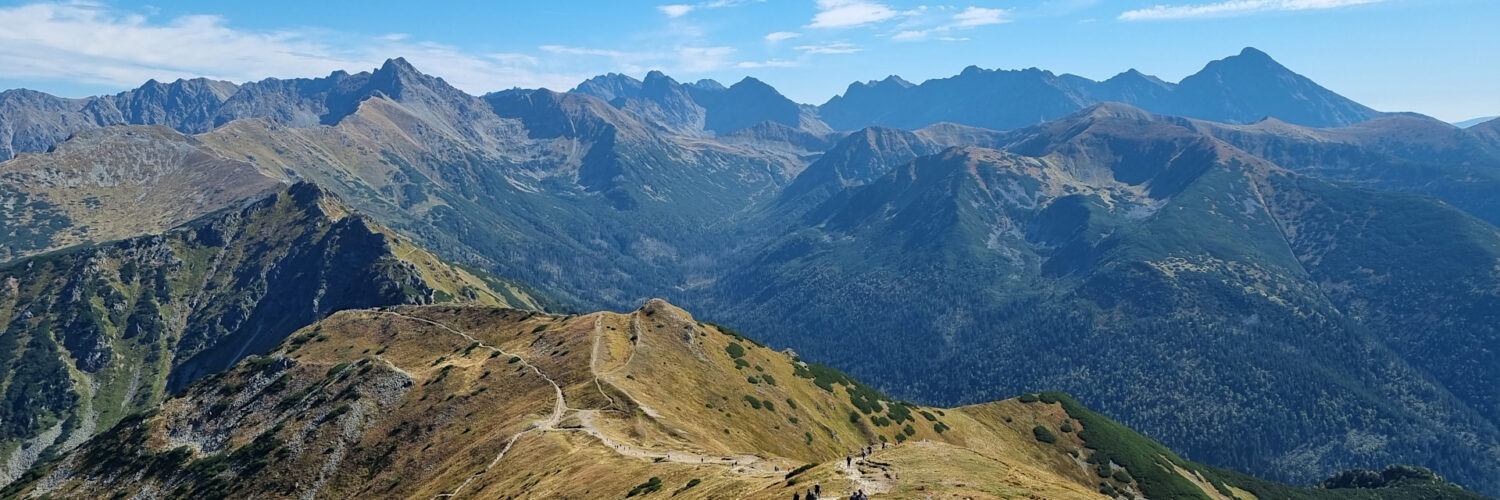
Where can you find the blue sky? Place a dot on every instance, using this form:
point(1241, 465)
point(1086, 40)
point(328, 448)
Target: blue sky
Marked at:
point(1438, 57)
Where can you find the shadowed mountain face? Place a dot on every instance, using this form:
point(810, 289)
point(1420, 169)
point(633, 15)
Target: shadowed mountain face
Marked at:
point(705, 106)
point(32, 121)
point(1166, 261)
point(1207, 283)
point(93, 333)
point(1407, 153)
point(438, 401)
point(1239, 89)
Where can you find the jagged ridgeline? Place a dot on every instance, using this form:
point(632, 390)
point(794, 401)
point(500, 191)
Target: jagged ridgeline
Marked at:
point(481, 402)
point(93, 333)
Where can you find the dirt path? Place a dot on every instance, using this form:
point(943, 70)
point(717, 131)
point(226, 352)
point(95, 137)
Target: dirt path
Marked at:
point(862, 480)
point(594, 358)
point(559, 407)
point(740, 464)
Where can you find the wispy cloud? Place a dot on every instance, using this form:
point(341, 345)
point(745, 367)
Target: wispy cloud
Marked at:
point(582, 51)
point(830, 48)
point(99, 45)
point(1233, 8)
point(772, 63)
point(850, 13)
point(979, 16)
point(968, 18)
point(677, 10)
point(703, 59)
point(781, 36)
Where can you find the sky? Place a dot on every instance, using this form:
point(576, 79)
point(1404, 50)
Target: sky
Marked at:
point(1437, 57)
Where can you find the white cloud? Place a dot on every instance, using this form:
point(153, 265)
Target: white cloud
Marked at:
point(911, 35)
point(772, 63)
point(98, 45)
point(675, 10)
point(781, 36)
point(1233, 8)
point(979, 16)
point(968, 18)
point(581, 51)
point(849, 13)
point(701, 59)
point(830, 48)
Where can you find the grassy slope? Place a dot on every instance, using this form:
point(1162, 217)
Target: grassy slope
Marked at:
point(420, 401)
point(114, 183)
point(99, 331)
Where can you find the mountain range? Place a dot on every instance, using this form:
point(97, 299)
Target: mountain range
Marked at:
point(450, 401)
point(1244, 266)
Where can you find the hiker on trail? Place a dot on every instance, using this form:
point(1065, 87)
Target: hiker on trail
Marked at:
point(796, 496)
point(848, 460)
point(817, 490)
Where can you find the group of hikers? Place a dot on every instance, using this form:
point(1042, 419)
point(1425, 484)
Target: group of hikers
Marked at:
point(817, 492)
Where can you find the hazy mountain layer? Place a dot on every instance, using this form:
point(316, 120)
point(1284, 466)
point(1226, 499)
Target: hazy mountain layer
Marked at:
point(1239, 89)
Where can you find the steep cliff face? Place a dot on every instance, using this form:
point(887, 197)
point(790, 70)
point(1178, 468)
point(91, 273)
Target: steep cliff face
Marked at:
point(93, 333)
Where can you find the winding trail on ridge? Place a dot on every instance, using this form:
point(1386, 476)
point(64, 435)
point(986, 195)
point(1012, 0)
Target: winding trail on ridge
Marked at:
point(559, 408)
point(741, 464)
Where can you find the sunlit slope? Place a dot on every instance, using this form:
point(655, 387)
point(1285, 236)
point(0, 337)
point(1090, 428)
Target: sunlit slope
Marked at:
point(93, 333)
point(480, 402)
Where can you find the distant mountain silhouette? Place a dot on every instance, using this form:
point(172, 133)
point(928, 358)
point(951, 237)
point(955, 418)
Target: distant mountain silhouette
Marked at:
point(1238, 89)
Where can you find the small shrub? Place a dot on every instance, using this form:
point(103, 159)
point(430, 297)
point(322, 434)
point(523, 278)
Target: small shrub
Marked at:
point(340, 410)
point(337, 368)
point(1043, 434)
point(652, 485)
point(1027, 398)
point(1123, 476)
point(794, 472)
point(691, 483)
point(735, 350)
